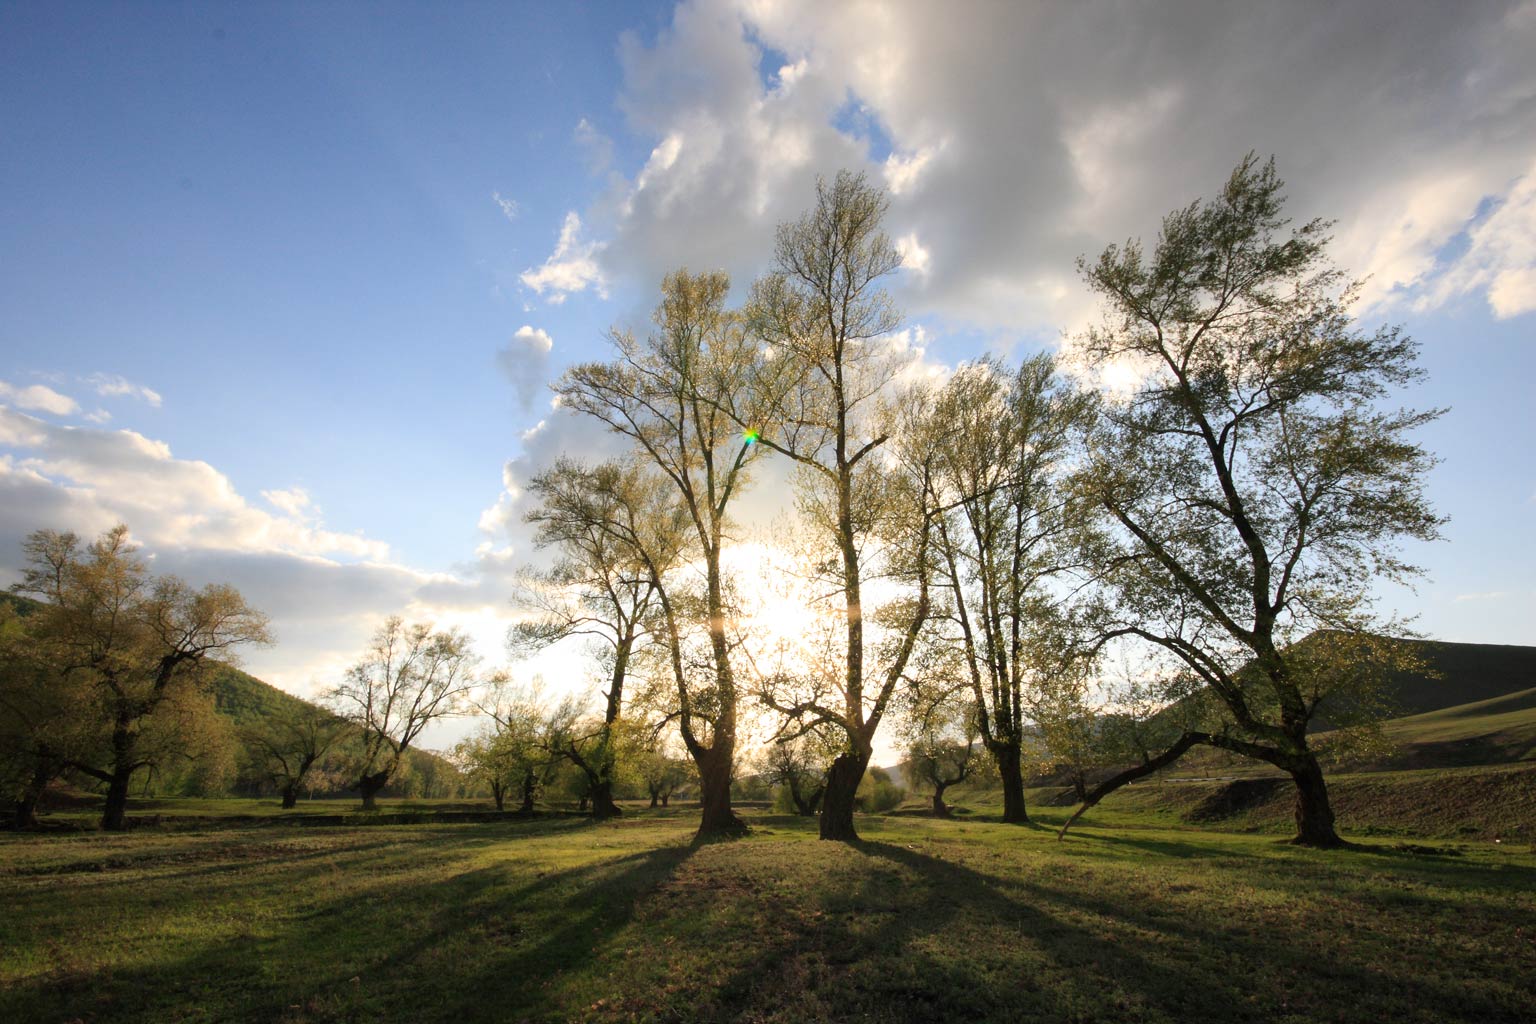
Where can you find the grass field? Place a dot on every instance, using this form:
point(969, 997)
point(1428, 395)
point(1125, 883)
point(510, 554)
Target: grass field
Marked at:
point(1130, 919)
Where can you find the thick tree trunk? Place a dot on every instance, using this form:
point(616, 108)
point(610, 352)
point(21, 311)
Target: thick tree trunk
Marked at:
point(665, 797)
point(290, 797)
point(1314, 813)
point(369, 786)
point(717, 819)
point(602, 800)
point(838, 798)
point(114, 816)
point(1010, 768)
point(499, 794)
point(655, 795)
point(940, 808)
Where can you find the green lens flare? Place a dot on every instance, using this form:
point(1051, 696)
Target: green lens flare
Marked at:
point(750, 436)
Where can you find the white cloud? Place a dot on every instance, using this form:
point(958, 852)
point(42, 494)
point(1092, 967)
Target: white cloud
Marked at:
point(39, 398)
point(114, 475)
point(1499, 261)
point(508, 207)
point(110, 385)
point(913, 255)
point(1015, 140)
point(525, 361)
point(99, 416)
point(903, 173)
point(571, 268)
point(293, 502)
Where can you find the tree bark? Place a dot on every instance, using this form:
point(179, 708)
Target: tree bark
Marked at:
point(290, 797)
point(499, 794)
point(114, 816)
point(717, 819)
point(602, 800)
point(665, 797)
point(655, 796)
point(369, 786)
point(1314, 813)
point(940, 808)
point(1010, 768)
point(838, 798)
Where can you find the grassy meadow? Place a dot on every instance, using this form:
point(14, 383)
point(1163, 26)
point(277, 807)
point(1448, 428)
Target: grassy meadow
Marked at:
point(1134, 917)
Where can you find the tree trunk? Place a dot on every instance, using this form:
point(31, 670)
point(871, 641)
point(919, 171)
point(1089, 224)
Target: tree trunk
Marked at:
point(1314, 814)
point(290, 797)
point(114, 816)
point(602, 800)
point(499, 794)
point(665, 797)
point(530, 784)
point(655, 795)
point(1010, 767)
point(32, 795)
point(940, 808)
point(369, 786)
point(717, 818)
point(837, 800)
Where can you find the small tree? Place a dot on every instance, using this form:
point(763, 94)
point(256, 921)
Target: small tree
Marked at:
point(409, 677)
point(800, 766)
point(135, 644)
point(1254, 489)
point(943, 757)
point(292, 742)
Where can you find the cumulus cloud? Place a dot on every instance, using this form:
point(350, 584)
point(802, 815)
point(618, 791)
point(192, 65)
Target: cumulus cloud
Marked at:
point(110, 385)
point(112, 475)
point(571, 268)
point(325, 590)
point(525, 361)
point(1017, 138)
point(39, 398)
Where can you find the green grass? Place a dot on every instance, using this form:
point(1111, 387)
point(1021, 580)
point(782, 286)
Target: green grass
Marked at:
point(562, 919)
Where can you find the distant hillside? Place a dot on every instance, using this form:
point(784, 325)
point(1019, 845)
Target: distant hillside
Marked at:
point(244, 699)
point(1459, 674)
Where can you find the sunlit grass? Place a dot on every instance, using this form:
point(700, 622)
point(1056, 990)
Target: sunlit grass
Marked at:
point(558, 919)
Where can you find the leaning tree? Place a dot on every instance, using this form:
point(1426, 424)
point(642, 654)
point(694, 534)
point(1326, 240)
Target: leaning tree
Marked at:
point(1255, 485)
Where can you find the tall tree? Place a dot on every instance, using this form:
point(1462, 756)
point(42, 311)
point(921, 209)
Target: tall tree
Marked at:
point(598, 588)
point(665, 392)
point(1255, 487)
point(410, 677)
point(822, 400)
point(137, 642)
point(1003, 439)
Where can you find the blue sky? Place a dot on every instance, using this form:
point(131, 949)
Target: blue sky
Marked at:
point(333, 241)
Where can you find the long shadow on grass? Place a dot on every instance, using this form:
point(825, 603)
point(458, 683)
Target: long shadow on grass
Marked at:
point(369, 940)
point(920, 938)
